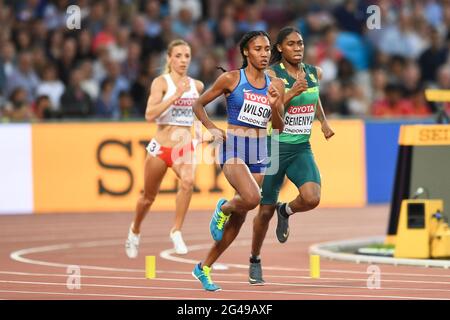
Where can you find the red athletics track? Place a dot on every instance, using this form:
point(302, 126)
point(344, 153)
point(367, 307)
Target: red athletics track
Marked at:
point(35, 251)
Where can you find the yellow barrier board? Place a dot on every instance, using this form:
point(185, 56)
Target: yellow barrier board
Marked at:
point(85, 167)
point(437, 95)
point(425, 135)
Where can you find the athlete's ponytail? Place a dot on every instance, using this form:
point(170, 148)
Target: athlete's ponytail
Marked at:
point(276, 55)
point(244, 43)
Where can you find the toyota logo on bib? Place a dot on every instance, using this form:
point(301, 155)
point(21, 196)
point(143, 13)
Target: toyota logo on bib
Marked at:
point(256, 97)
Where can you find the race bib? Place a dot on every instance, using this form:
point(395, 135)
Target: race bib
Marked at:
point(299, 119)
point(180, 113)
point(153, 148)
point(255, 110)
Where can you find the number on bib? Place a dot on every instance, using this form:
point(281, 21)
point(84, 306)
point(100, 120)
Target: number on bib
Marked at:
point(153, 148)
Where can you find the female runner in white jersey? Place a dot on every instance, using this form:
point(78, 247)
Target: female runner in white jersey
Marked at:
point(170, 106)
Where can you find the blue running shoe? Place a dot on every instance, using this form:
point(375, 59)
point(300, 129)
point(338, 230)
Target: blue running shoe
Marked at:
point(204, 275)
point(218, 221)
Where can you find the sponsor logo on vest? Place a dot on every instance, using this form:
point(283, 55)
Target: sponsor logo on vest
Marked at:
point(184, 102)
point(256, 97)
point(301, 109)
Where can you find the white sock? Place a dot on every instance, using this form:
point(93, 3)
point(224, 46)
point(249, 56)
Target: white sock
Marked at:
point(289, 210)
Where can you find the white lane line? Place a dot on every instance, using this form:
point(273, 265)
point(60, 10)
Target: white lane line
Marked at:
point(328, 250)
point(237, 291)
point(167, 254)
point(103, 295)
point(219, 274)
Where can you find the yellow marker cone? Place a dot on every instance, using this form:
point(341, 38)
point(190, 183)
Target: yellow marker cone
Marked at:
point(314, 266)
point(150, 267)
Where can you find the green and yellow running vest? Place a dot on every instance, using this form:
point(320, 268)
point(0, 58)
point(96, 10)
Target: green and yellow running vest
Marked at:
point(300, 112)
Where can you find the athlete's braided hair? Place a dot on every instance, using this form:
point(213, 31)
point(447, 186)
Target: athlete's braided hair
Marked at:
point(276, 55)
point(243, 44)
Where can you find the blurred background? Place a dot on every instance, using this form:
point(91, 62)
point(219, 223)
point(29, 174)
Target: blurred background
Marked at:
point(104, 69)
point(72, 102)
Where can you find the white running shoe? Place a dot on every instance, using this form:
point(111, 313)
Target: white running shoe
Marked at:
point(178, 243)
point(132, 244)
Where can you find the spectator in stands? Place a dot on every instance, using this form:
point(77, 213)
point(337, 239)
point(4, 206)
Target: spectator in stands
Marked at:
point(18, 108)
point(75, 103)
point(126, 105)
point(132, 64)
point(153, 18)
point(183, 26)
point(84, 51)
point(348, 17)
point(120, 83)
point(23, 76)
point(393, 105)
point(194, 7)
point(411, 78)
point(253, 19)
point(118, 51)
point(402, 39)
point(419, 103)
point(51, 86)
point(43, 108)
point(104, 107)
point(88, 83)
point(7, 64)
point(412, 41)
point(334, 103)
point(378, 82)
point(433, 57)
point(67, 62)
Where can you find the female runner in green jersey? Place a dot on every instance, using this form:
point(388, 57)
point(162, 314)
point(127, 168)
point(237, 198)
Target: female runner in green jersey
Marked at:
point(296, 160)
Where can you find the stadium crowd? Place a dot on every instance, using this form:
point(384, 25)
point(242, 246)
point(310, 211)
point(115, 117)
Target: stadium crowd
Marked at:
point(103, 70)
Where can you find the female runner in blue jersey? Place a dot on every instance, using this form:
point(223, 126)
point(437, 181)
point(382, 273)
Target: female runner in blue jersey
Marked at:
point(252, 100)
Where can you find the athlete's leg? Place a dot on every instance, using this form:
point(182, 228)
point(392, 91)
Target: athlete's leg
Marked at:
point(308, 198)
point(260, 226)
point(303, 172)
point(270, 191)
point(185, 172)
point(269, 198)
point(247, 195)
point(154, 172)
point(246, 198)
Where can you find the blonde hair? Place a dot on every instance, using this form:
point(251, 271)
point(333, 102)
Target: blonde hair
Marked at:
point(173, 44)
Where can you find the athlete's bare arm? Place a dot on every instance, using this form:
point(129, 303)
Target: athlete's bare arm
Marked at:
point(155, 105)
point(276, 97)
point(222, 85)
point(200, 86)
point(300, 85)
point(320, 114)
